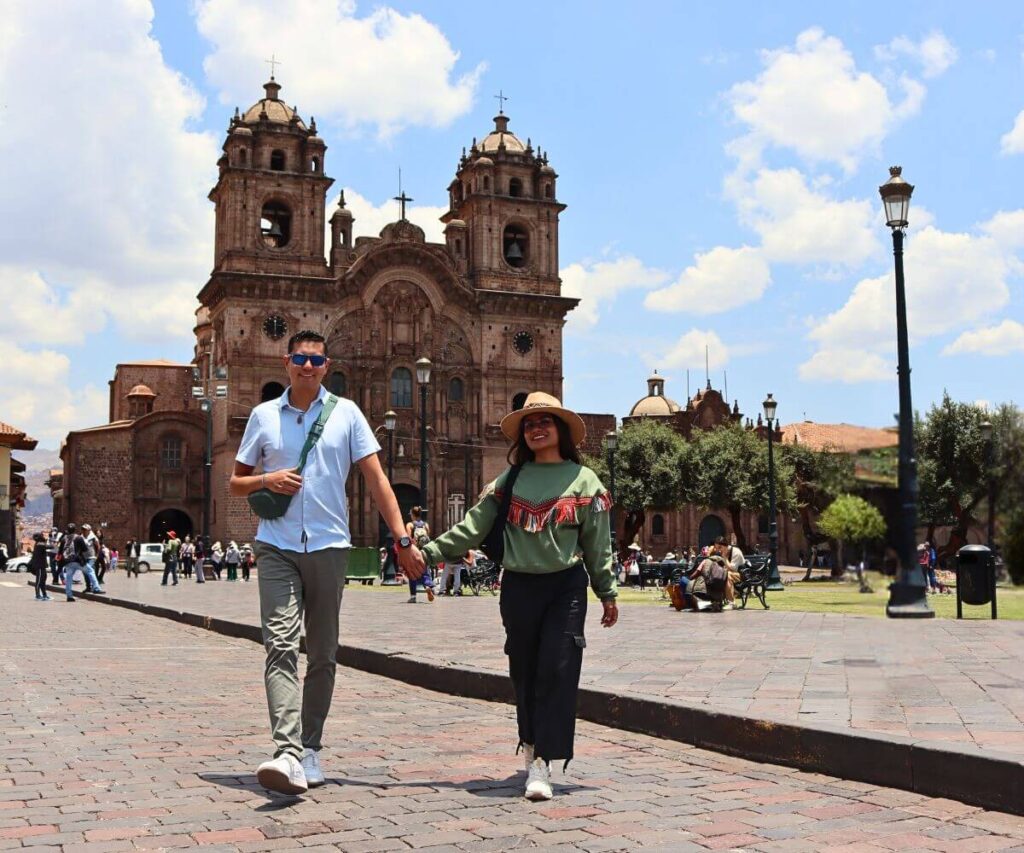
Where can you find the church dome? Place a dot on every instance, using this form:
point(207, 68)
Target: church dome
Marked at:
point(276, 110)
point(241, 130)
point(141, 391)
point(484, 161)
point(656, 405)
point(500, 136)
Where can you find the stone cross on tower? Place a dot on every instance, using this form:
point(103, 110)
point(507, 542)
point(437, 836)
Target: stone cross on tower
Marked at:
point(273, 62)
point(501, 101)
point(401, 198)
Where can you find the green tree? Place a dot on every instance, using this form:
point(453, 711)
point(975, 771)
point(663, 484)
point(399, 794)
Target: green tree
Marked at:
point(650, 465)
point(819, 477)
point(729, 469)
point(851, 519)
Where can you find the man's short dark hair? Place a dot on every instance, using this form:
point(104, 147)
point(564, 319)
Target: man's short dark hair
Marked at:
point(306, 335)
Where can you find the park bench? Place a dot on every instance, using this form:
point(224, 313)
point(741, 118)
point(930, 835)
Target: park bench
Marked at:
point(363, 565)
point(754, 579)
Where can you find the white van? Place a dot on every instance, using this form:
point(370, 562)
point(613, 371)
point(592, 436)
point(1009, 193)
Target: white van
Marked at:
point(151, 556)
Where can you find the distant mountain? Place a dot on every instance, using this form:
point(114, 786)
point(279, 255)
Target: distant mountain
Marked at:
point(38, 504)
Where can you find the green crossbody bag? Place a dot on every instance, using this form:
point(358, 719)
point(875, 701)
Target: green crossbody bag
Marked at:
point(267, 504)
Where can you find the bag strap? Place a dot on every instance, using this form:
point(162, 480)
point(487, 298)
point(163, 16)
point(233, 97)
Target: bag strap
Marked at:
point(506, 502)
point(316, 430)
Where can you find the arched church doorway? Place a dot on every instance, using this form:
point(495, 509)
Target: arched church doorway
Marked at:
point(408, 497)
point(710, 529)
point(271, 391)
point(169, 519)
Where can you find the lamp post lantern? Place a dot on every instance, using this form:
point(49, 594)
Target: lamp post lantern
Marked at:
point(611, 442)
point(423, 377)
point(207, 407)
point(908, 598)
point(987, 436)
point(390, 420)
point(775, 584)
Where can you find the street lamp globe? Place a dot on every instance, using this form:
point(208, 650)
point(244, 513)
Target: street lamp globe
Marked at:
point(423, 371)
point(611, 440)
point(770, 405)
point(895, 194)
point(390, 419)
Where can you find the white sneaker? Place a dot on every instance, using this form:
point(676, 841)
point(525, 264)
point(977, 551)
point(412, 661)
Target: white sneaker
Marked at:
point(311, 767)
point(538, 783)
point(412, 599)
point(283, 774)
point(528, 755)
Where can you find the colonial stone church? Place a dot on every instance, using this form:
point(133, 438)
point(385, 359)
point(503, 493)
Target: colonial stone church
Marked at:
point(485, 307)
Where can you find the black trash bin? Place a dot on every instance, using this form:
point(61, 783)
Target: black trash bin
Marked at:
point(975, 578)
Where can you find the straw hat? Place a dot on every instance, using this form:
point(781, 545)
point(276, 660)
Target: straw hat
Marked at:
point(537, 403)
point(634, 547)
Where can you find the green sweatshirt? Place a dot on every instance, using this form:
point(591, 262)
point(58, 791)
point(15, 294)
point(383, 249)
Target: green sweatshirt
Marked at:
point(558, 516)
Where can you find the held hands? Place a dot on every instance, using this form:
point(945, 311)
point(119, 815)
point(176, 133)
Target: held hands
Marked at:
point(284, 482)
point(412, 562)
point(611, 613)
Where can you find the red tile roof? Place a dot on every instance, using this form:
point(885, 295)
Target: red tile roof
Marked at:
point(16, 438)
point(843, 437)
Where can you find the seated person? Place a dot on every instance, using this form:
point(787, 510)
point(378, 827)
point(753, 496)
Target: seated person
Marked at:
point(735, 559)
point(714, 572)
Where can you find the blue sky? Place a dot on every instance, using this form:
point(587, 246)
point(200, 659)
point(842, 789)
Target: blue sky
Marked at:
point(720, 167)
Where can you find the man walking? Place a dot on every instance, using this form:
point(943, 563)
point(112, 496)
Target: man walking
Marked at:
point(76, 556)
point(172, 550)
point(131, 550)
point(303, 554)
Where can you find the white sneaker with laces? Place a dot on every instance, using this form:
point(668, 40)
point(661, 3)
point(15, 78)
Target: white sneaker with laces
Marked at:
point(283, 774)
point(538, 783)
point(311, 767)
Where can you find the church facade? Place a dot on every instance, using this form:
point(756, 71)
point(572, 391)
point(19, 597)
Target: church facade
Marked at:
point(485, 307)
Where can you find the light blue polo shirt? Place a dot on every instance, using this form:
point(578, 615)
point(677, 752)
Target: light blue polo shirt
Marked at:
point(317, 516)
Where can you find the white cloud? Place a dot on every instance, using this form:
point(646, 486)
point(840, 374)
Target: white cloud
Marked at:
point(802, 226)
point(385, 68)
point(812, 99)
point(1006, 228)
point(1012, 142)
point(689, 351)
point(846, 365)
point(952, 280)
point(598, 283)
point(720, 280)
point(37, 397)
point(935, 53)
point(108, 215)
point(1004, 339)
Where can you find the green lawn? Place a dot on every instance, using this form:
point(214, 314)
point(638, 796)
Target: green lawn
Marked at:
point(822, 596)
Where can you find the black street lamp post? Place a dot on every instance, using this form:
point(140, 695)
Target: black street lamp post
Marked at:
point(611, 442)
point(774, 580)
point(423, 377)
point(986, 434)
point(390, 420)
point(908, 598)
point(206, 399)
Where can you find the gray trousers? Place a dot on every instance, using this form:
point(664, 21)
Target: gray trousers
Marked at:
point(299, 588)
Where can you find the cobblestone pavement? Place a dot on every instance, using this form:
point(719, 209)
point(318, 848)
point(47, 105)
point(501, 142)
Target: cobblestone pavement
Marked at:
point(124, 732)
point(934, 680)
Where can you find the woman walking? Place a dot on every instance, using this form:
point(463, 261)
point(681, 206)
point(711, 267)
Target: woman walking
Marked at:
point(556, 510)
point(39, 564)
point(232, 557)
point(419, 532)
point(188, 557)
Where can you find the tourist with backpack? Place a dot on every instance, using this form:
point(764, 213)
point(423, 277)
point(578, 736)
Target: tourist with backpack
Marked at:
point(419, 531)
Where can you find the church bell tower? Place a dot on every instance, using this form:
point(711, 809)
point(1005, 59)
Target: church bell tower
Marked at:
point(271, 192)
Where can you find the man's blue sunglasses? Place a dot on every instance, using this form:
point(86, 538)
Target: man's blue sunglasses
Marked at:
point(299, 359)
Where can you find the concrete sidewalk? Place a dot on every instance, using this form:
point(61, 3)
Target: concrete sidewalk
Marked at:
point(935, 706)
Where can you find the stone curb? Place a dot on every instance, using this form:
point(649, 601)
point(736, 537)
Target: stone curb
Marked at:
point(988, 779)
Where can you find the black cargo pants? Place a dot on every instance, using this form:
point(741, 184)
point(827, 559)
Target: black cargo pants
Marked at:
point(544, 616)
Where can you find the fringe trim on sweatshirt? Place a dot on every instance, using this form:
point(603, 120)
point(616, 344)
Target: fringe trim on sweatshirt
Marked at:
point(564, 510)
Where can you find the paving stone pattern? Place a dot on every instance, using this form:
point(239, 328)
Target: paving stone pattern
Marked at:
point(936, 680)
point(121, 732)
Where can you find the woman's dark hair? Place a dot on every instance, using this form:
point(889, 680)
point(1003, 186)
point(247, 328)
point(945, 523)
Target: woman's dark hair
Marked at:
point(415, 512)
point(38, 537)
point(520, 453)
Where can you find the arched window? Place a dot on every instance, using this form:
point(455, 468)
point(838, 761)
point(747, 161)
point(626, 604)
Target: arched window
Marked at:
point(547, 190)
point(271, 391)
point(455, 391)
point(401, 388)
point(658, 525)
point(337, 384)
point(277, 160)
point(170, 453)
point(487, 183)
point(516, 246)
point(314, 164)
point(515, 187)
point(518, 401)
point(243, 157)
point(275, 225)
